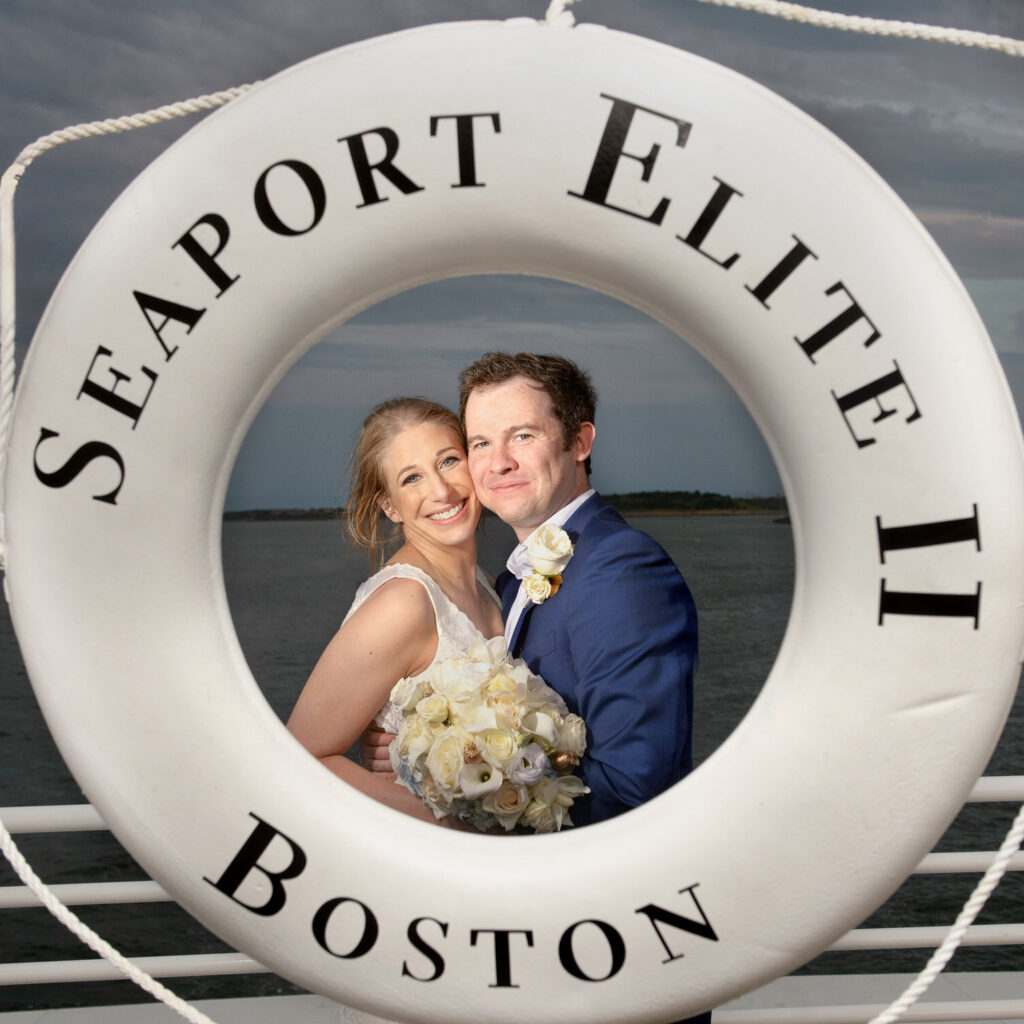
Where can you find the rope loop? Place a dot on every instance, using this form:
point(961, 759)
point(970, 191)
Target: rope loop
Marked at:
point(8, 186)
point(115, 125)
point(941, 957)
point(82, 931)
point(876, 26)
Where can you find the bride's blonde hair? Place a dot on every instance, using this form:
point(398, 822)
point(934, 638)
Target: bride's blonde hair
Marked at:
point(364, 516)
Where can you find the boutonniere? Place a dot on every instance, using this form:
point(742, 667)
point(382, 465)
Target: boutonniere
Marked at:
point(548, 550)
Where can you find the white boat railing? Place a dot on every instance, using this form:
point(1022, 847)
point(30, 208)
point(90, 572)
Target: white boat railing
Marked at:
point(82, 818)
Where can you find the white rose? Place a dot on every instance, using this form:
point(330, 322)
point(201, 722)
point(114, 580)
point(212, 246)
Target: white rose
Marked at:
point(542, 818)
point(459, 679)
point(494, 649)
point(496, 745)
point(433, 707)
point(414, 739)
point(572, 736)
point(549, 550)
point(446, 673)
point(445, 761)
point(506, 711)
point(407, 692)
point(501, 682)
point(507, 803)
point(537, 587)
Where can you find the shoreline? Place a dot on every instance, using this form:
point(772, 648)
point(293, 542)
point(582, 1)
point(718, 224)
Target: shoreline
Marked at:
point(314, 514)
point(777, 512)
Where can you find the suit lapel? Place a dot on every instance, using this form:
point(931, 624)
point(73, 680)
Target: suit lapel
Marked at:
point(507, 587)
point(518, 631)
point(577, 522)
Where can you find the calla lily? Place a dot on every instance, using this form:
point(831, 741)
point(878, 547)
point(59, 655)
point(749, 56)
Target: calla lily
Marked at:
point(479, 719)
point(476, 780)
point(541, 725)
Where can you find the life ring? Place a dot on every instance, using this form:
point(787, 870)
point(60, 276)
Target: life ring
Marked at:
point(637, 170)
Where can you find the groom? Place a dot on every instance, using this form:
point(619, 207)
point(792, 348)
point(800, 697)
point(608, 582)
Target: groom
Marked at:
point(618, 638)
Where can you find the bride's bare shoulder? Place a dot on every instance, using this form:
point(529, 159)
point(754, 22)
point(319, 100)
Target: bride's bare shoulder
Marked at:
point(398, 604)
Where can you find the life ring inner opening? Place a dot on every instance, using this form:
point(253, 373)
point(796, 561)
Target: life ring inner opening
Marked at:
point(643, 416)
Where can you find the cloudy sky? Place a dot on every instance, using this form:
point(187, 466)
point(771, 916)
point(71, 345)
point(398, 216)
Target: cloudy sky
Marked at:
point(943, 125)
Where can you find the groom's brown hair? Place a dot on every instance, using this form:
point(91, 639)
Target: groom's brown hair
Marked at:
point(572, 393)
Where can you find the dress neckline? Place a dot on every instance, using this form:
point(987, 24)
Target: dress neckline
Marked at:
point(429, 581)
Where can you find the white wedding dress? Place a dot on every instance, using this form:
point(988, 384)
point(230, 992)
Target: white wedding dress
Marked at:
point(455, 633)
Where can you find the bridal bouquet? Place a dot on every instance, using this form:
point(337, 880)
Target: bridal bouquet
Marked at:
point(485, 739)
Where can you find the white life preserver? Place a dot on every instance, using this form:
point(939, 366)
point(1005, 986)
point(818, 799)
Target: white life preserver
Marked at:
point(637, 170)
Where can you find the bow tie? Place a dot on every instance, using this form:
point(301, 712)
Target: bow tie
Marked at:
point(519, 563)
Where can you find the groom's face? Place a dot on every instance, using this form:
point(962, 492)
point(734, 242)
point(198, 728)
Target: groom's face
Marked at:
point(520, 466)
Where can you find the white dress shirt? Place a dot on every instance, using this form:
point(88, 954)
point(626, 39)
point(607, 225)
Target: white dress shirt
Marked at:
point(519, 563)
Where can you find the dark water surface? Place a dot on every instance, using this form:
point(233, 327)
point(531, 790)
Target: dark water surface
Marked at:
point(289, 585)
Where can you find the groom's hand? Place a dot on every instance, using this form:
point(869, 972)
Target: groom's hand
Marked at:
point(373, 751)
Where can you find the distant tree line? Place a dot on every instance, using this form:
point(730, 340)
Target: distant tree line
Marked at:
point(284, 514)
point(669, 502)
point(694, 501)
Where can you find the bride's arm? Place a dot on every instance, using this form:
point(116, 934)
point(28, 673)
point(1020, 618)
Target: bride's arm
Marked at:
point(393, 634)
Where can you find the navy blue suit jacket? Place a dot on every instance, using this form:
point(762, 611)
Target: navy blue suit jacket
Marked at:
point(618, 641)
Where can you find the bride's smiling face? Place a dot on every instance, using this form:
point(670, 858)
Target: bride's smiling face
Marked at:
point(429, 488)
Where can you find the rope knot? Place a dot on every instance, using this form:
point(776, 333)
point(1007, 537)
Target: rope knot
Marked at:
point(557, 15)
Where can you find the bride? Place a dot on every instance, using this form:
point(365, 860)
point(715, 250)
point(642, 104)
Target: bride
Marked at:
point(428, 602)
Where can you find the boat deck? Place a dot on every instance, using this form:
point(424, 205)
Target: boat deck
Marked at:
point(837, 999)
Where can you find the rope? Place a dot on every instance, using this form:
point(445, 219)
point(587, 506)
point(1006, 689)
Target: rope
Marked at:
point(950, 944)
point(876, 26)
point(115, 125)
point(90, 938)
point(8, 185)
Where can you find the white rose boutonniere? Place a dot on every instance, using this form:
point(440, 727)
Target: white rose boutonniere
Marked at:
point(549, 550)
point(540, 588)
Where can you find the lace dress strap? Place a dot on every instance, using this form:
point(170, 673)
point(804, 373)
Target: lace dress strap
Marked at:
point(401, 571)
point(455, 629)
